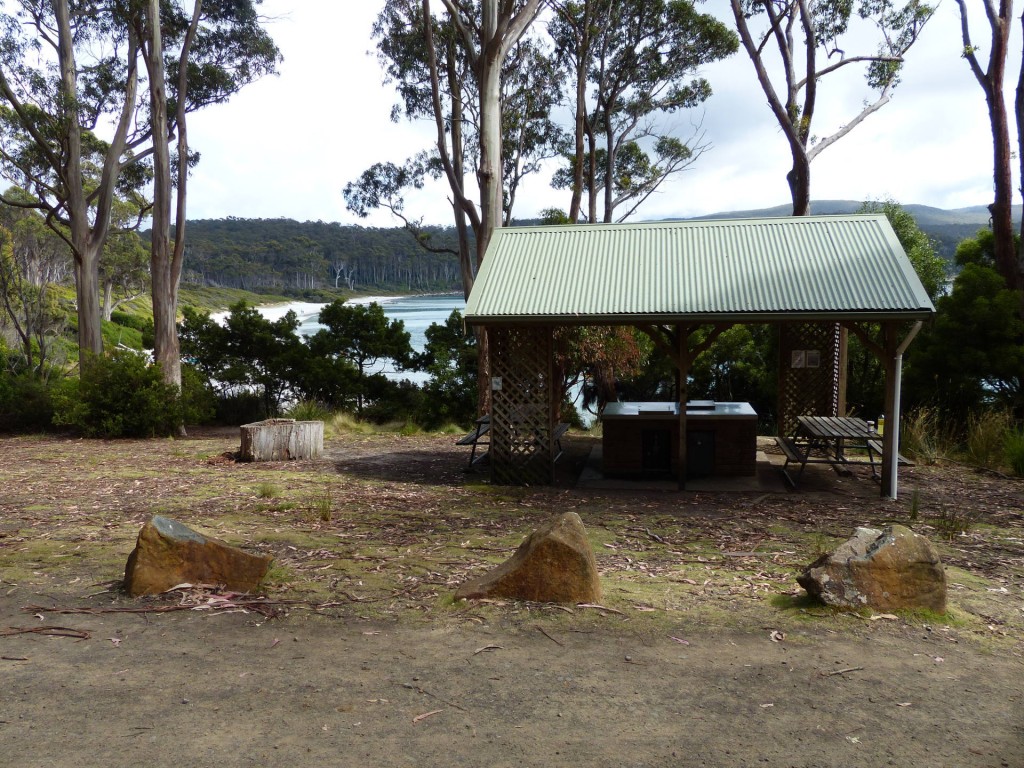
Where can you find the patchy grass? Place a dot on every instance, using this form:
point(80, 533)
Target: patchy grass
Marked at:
point(388, 525)
point(268, 491)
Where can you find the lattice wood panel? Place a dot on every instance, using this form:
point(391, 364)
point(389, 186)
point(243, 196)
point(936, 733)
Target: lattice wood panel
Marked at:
point(522, 417)
point(808, 372)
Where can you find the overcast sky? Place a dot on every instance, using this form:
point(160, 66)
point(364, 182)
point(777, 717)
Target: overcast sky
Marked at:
point(287, 145)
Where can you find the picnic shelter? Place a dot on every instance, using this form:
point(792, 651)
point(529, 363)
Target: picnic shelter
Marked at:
point(816, 277)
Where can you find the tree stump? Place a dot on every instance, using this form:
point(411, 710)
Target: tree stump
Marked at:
point(282, 440)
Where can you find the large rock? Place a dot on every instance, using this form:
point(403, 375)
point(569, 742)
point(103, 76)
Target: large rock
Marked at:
point(554, 565)
point(168, 553)
point(889, 570)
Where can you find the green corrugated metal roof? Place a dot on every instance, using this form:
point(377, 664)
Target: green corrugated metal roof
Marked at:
point(809, 267)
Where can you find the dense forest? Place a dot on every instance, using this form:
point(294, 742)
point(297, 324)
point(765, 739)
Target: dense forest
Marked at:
point(286, 255)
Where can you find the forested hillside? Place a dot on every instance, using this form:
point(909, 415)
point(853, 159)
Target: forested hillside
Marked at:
point(946, 227)
point(282, 254)
point(287, 255)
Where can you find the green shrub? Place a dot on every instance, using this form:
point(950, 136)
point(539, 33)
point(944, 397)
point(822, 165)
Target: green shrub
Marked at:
point(26, 403)
point(308, 410)
point(119, 396)
point(390, 400)
point(128, 320)
point(117, 336)
point(198, 400)
point(239, 408)
point(1013, 449)
point(142, 334)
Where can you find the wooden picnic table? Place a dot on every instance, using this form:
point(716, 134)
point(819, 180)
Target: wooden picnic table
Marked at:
point(826, 440)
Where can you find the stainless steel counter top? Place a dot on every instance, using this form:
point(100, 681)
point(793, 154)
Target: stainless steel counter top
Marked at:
point(663, 410)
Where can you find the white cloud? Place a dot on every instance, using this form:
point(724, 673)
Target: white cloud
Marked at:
point(287, 145)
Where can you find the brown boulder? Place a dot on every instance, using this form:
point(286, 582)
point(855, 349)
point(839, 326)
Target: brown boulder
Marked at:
point(554, 565)
point(168, 553)
point(890, 570)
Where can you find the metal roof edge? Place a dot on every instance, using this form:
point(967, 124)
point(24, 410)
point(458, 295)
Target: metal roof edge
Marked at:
point(705, 318)
point(797, 220)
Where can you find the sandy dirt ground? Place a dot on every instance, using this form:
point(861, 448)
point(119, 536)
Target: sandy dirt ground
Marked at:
point(225, 690)
point(418, 682)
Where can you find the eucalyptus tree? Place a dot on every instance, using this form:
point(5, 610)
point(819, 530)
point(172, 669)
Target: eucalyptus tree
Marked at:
point(531, 92)
point(451, 69)
point(124, 272)
point(486, 89)
point(401, 51)
point(75, 133)
point(31, 260)
point(810, 38)
point(634, 62)
point(69, 72)
point(196, 53)
point(990, 78)
point(486, 36)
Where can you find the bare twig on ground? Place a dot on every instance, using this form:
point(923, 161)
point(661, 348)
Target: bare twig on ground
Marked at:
point(549, 637)
point(78, 634)
point(842, 671)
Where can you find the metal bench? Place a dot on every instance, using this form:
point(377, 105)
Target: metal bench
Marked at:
point(876, 446)
point(481, 436)
point(792, 453)
point(477, 437)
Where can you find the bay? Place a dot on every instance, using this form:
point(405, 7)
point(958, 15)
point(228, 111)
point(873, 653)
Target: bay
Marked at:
point(417, 313)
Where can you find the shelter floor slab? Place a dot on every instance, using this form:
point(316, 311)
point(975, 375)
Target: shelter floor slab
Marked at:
point(767, 479)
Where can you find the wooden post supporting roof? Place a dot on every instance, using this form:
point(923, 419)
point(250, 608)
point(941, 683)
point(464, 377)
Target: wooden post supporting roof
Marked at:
point(682, 350)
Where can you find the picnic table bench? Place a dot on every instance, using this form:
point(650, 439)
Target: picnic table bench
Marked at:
point(826, 440)
point(480, 436)
point(476, 438)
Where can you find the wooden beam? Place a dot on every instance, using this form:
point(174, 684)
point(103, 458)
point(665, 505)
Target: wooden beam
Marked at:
point(683, 356)
point(878, 350)
point(664, 339)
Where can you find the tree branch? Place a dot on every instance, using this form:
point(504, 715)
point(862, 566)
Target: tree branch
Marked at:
point(823, 144)
point(968, 52)
point(852, 60)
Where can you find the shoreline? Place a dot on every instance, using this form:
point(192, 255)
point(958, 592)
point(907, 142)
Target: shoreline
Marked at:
point(308, 309)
